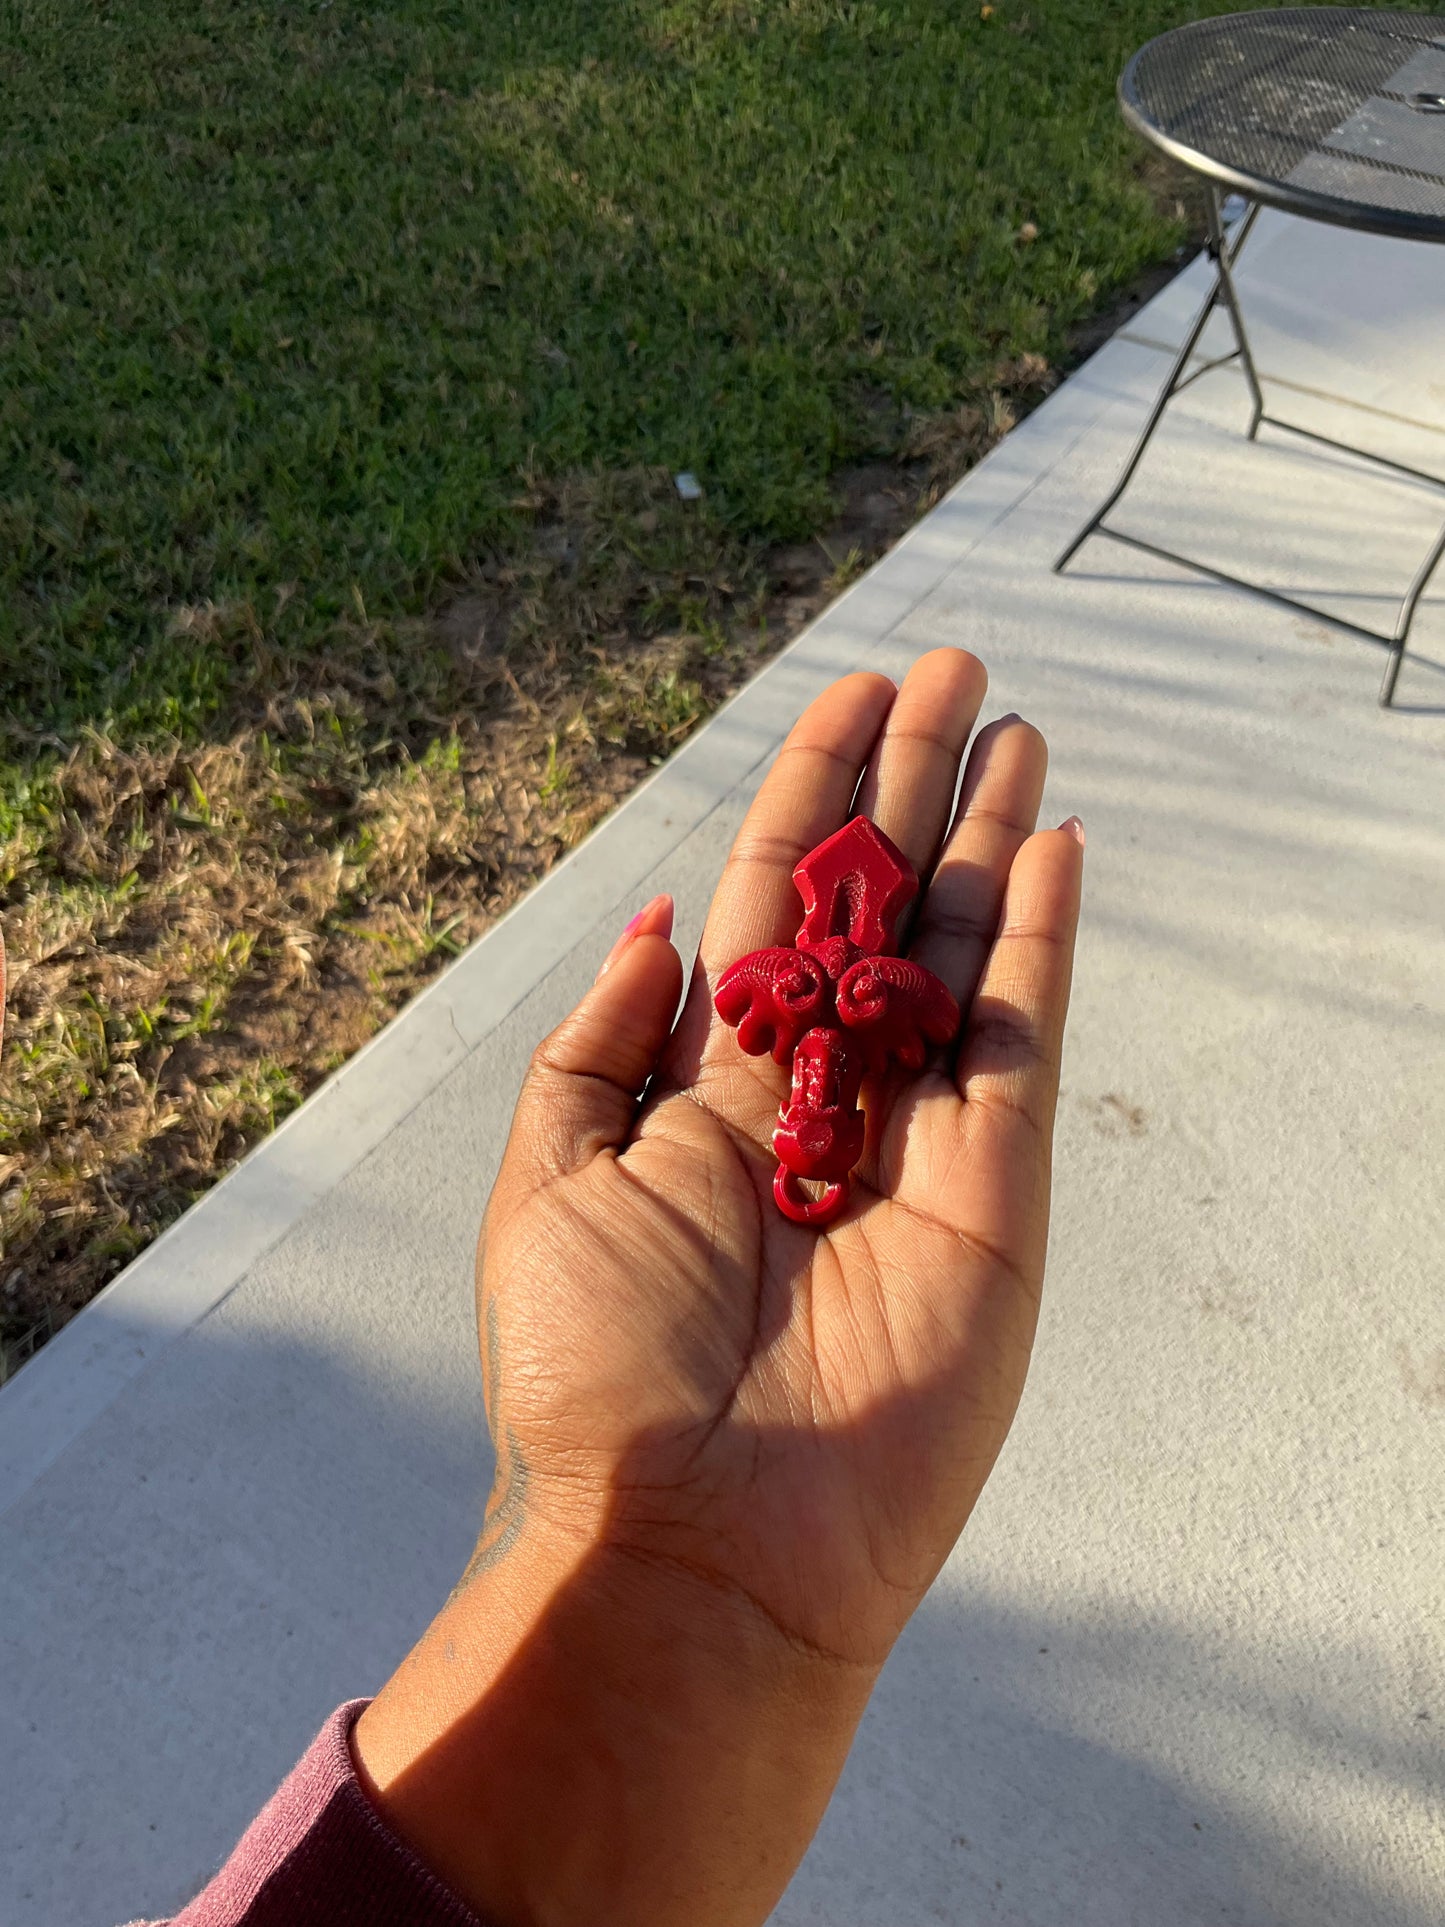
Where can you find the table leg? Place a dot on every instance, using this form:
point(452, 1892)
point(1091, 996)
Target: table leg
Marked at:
point(1223, 255)
point(1407, 616)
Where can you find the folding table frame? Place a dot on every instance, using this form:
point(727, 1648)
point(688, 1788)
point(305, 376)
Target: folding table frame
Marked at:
point(1224, 250)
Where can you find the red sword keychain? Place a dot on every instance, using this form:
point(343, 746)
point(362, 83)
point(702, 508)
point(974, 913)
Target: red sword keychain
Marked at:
point(840, 1003)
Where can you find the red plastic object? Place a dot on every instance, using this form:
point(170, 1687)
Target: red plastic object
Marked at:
point(838, 1004)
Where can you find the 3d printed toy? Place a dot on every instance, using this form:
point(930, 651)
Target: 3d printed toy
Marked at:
point(838, 1004)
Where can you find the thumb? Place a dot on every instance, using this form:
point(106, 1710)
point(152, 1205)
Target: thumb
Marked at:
point(581, 1089)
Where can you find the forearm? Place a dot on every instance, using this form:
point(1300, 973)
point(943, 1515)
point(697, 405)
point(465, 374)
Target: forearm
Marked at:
point(580, 1739)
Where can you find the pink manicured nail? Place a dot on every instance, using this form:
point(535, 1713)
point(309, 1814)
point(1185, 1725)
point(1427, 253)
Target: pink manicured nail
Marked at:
point(654, 917)
point(1074, 826)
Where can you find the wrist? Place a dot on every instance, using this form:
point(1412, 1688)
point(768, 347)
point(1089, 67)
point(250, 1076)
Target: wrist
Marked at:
point(585, 1737)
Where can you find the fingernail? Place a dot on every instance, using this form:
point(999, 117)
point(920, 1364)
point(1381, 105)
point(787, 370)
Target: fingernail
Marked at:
point(1012, 717)
point(648, 916)
point(1075, 828)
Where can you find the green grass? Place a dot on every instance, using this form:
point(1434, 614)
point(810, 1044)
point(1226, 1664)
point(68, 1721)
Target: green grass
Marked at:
point(315, 317)
point(293, 297)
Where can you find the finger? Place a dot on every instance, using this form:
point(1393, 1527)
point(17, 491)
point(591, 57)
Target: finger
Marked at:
point(805, 797)
point(910, 780)
point(1008, 1067)
point(1002, 787)
point(583, 1084)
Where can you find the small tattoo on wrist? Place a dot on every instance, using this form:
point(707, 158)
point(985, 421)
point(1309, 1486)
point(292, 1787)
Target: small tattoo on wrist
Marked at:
point(506, 1512)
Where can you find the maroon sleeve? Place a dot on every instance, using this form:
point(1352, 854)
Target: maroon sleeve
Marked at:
point(319, 1855)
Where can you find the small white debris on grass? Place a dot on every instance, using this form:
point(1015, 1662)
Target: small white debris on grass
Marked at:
point(688, 486)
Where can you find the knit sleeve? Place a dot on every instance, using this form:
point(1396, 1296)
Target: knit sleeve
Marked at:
point(319, 1855)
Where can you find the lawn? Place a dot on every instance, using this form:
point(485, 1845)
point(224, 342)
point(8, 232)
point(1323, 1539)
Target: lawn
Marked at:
point(346, 359)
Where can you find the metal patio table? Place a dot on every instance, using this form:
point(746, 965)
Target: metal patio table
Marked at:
point(1333, 113)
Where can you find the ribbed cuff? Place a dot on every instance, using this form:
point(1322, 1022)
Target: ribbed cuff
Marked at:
point(319, 1855)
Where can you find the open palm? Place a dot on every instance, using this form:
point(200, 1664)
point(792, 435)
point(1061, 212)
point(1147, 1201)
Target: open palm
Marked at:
point(799, 1419)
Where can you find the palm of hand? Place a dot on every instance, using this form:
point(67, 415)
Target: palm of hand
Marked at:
point(799, 1420)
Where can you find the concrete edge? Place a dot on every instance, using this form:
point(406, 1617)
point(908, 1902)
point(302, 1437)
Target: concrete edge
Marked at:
point(194, 1265)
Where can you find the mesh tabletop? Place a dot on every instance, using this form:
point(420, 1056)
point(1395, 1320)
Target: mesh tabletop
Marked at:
point(1333, 112)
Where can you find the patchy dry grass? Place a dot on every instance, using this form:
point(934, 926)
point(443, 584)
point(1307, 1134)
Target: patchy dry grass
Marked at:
point(200, 931)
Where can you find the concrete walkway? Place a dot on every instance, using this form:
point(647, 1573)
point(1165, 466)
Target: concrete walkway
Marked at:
point(1187, 1665)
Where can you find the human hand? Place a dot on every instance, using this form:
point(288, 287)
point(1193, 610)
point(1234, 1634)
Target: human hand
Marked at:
point(716, 1426)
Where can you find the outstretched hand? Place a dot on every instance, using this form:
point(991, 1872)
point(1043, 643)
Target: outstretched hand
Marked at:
point(763, 1436)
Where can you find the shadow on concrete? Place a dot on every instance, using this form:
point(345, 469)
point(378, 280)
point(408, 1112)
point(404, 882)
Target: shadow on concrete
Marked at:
point(1103, 1769)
